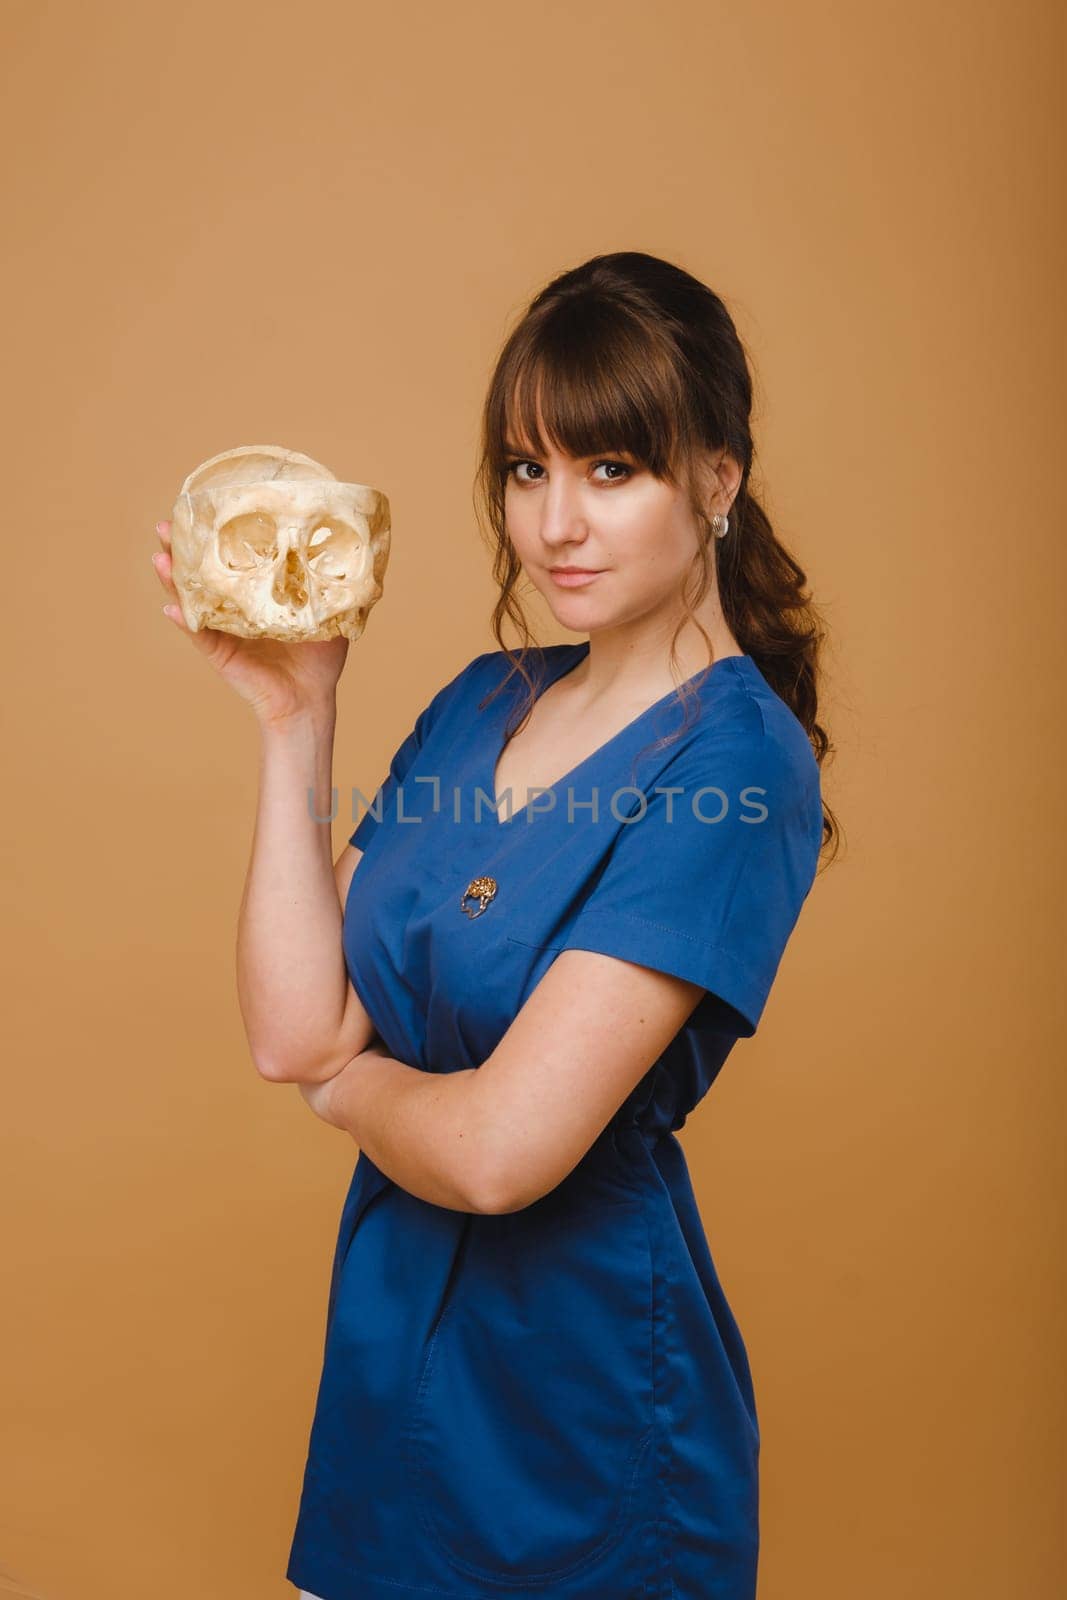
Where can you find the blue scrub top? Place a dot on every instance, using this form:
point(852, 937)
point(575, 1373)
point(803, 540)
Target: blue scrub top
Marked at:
point(557, 1400)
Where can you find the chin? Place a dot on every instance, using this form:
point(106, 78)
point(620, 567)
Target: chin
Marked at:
point(572, 612)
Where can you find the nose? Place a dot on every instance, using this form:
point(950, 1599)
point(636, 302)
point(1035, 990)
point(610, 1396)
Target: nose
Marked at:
point(563, 518)
point(290, 585)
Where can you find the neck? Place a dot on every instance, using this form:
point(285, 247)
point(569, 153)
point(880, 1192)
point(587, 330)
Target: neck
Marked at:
point(631, 662)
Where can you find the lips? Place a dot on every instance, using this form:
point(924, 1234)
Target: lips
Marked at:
point(572, 577)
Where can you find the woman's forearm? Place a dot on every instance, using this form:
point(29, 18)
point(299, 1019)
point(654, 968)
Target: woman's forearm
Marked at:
point(425, 1130)
point(291, 979)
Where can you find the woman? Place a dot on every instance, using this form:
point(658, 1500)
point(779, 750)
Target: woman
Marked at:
point(525, 970)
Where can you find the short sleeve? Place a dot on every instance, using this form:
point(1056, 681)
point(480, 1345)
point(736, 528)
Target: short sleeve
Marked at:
point(406, 753)
point(707, 881)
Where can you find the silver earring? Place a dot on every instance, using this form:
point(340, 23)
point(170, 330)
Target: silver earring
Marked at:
point(720, 526)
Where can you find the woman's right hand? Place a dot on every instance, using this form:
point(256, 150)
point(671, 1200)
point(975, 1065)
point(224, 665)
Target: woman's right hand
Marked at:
point(278, 680)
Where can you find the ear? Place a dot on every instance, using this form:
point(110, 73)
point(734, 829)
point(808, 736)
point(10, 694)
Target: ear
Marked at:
point(726, 479)
point(718, 477)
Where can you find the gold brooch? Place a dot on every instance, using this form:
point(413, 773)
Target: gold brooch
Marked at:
point(480, 889)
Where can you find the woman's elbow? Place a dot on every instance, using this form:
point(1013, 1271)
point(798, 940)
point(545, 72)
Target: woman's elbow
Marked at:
point(275, 1069)
point(272, 1071)
point(507, 1184)
point(301, 1065)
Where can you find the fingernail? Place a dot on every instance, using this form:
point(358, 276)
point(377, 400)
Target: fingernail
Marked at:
point(160, 526)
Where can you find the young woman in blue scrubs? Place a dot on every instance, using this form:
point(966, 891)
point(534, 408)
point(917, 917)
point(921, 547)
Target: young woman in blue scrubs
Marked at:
point(568, 900)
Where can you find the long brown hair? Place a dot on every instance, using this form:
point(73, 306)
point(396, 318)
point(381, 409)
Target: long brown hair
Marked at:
point(631, 353)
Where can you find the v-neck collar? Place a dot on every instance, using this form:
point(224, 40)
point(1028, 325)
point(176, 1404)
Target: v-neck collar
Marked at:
point(571, 656)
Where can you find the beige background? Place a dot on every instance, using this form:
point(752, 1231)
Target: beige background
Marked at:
point(313, 225)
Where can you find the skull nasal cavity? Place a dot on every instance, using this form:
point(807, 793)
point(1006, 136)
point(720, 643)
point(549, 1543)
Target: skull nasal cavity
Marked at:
point(290, 588)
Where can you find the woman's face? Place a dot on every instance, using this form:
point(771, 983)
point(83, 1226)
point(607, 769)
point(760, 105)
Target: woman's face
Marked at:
point(632, 535)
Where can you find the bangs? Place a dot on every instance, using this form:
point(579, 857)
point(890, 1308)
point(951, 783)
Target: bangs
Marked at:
point(599, 380)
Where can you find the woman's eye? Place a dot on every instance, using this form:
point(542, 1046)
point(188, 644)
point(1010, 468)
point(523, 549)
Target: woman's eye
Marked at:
point(620, 466)
point(619, 471)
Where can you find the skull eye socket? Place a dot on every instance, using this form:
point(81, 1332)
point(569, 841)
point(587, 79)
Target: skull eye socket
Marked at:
point(247, 541)
point(330, 548)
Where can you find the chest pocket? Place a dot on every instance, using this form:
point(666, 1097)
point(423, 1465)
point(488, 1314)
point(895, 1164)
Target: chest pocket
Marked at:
point(533, 1411)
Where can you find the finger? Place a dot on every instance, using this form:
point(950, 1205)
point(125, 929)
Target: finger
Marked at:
point(164, 567)
point(206, 640)
point(163, 530)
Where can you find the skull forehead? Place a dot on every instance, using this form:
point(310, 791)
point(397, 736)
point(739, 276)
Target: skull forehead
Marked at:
point(255, 463)
point(288, 501)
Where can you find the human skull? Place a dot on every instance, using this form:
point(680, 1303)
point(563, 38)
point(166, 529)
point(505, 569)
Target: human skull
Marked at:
point(267, 544)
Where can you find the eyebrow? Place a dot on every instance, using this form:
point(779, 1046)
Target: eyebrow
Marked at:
point(531, 455)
